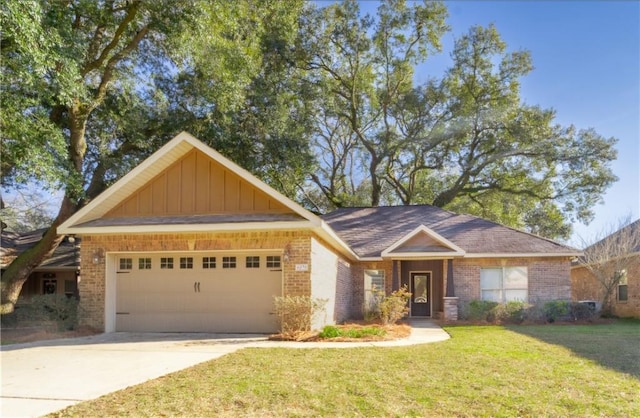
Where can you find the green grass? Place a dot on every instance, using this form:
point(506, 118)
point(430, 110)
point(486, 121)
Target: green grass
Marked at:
point(481, 371)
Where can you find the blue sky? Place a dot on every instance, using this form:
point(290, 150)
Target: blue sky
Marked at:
point(586, 56)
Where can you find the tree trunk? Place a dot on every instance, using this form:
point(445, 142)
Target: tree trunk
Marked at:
point(19, 270)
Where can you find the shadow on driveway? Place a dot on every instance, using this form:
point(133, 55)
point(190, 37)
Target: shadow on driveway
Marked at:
point(615, 346)
point(143, 337)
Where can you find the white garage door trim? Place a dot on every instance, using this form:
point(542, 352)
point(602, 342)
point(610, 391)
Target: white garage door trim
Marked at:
point(192, 310)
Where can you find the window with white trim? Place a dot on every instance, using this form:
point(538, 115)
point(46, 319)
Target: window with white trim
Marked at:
point(273, 261)
point(623, 289)
point(228, 262)
point(373, 283)
point(144, 263)
point(186, 262)
point(166, 262)
point(504, 284)
point(126, 263)
point(208, 262)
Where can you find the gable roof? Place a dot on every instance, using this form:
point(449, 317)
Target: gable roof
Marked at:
point(373, 231)
point(89, 218)
point(422, 242)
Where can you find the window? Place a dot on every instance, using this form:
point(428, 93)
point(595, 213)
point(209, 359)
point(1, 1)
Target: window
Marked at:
point(504, 284)
point(186, 262)
point(166, 263)
point(144, 264)
point(373, 282)
point(273, 261)
point(253, 262)
point(228, 262)
point(208, 262)
point(126, 263)
point(621, 277)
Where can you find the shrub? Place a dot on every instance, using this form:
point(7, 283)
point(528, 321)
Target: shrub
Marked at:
point(581, 311)
point(61, 309)
point(556, 309)
point(329, 332)
point(514, 312)
point(295, 313)
point(394, 306)
point(480, 310)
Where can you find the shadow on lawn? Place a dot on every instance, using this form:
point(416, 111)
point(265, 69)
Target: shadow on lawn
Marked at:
point(615, 346)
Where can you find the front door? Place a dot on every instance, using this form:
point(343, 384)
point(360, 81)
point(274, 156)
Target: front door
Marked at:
point(420, 294)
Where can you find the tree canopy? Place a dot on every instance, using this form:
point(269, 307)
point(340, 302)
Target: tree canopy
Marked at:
point(320, 102)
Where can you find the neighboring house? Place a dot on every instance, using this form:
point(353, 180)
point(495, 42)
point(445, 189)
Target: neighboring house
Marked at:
point(189, 241)
point(625, 300)
point(57, 274)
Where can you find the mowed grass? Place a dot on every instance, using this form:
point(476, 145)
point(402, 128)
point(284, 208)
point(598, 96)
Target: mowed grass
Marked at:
point(481, 371)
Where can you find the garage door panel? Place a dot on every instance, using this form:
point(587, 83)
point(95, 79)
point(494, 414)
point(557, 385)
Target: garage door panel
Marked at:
point(197, 299)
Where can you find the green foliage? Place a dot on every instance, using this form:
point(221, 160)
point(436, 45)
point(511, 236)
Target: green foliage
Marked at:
point(478, 310)
point(61, 309)
point(394, 306)
point(556, 309)
point(516, 312)
point(464, 141)
point(331, 331)
point(296, 313)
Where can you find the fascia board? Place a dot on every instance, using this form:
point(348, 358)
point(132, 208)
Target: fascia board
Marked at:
point(422, 229)
point(522, 255)
point(178, 228)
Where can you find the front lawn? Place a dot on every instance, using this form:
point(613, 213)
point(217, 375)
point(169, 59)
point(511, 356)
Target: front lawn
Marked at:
point(481, 371)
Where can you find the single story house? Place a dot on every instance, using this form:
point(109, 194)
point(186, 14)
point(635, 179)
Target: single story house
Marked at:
point(190, 241)
point(625, 300)
point(57, 274)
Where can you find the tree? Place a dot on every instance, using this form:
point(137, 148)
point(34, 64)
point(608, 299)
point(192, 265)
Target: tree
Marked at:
point(463, 141)
point(610, 256)
point(26, 211)
point(90, 88)
point(362, 66)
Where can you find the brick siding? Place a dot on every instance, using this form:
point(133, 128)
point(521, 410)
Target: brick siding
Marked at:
point(586, 287)
point(92, 286)
point(548, 278)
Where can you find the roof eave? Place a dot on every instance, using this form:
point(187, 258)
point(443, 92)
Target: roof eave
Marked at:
point(522, 255)
point(423, 256)
point(178, 228)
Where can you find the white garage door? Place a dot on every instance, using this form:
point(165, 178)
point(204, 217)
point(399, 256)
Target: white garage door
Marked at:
point(199, 292)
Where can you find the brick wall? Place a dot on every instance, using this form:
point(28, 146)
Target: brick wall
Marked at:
point(357, 277)
point(548, 278)
point(586, 287)
point(92, 286)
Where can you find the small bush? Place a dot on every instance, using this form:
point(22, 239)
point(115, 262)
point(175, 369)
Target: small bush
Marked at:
point(61, 309)
point(329, 332)
point(295, 313)
point(556, 309)
point(480, 310)
point(513, 312)
point(581, 311)
point(394, 306)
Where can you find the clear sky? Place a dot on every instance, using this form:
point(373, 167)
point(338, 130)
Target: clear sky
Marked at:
point(586, 56)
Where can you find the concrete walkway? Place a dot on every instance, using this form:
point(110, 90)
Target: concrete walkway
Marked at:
point(43, 377)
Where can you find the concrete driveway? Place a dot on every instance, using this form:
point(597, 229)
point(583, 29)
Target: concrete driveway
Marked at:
point(43, 377)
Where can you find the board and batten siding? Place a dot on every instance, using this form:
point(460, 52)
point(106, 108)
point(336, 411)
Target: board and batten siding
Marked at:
point(193, 185)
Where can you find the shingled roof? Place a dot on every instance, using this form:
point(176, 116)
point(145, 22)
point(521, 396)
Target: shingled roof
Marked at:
point(12, 244)
point(370, 231)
